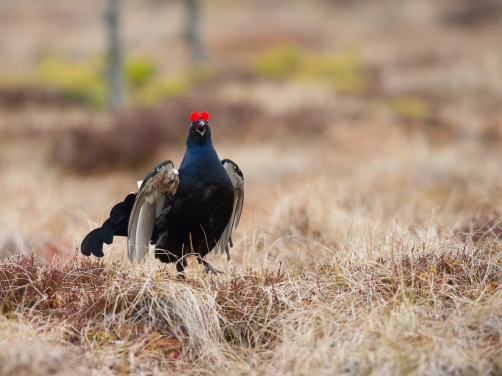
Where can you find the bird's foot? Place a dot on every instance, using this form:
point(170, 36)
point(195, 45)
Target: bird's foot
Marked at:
point(209, 268)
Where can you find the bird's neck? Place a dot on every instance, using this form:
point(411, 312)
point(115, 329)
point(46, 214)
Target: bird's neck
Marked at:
point(200, 155)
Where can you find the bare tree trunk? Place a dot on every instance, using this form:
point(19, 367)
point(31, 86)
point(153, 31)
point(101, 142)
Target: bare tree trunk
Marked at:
point(115, 79)
point(193, 31)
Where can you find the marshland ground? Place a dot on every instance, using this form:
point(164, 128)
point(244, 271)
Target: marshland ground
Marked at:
point(369, 134)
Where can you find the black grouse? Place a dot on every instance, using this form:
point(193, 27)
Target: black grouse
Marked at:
point(190, 211)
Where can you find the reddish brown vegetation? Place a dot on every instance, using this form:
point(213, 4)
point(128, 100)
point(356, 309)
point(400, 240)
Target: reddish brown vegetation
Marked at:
point(18, 96)
point(483, 227)
point(135, 135)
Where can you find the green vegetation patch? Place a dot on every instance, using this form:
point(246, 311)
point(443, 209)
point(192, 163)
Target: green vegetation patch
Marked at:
point(85, 82)
point(280, 63)
point(341, 71)
point(81, 81)
point(406, 108)
point(140, 71)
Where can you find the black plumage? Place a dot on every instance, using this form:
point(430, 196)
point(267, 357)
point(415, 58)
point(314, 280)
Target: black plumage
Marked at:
point(116, 225)
point(192, 211)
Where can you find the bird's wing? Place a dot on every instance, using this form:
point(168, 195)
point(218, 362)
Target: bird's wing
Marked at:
point(160, 182)
point(237, 179)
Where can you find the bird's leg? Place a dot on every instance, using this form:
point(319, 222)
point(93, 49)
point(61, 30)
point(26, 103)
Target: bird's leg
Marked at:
point(180, 268)
point(227, 249)
point(208, 267)
point(181, 264)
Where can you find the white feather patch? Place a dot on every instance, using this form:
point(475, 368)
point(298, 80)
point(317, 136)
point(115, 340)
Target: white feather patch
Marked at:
point(148, 205)
point(238, 185)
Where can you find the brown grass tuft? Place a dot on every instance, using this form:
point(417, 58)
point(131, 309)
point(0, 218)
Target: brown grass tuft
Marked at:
point(338, 314)
point(482, 227)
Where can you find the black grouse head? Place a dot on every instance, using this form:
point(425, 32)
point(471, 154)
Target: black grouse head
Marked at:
point(199, 131)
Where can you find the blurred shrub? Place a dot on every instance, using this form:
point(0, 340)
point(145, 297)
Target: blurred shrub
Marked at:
point(405, 108)
point(281, 62)
point(160, 89)
point(471, 12)
point(59, 81)
point(342, 71)
point(139, 71)
point(201, 73)
point(409, 108)
point(146, 88)
point(134, 136)
point(81, 81)
point(21, 94)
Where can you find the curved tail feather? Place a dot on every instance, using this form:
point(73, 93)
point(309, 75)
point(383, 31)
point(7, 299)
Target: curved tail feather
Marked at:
point(92, 243)
point(116, 225)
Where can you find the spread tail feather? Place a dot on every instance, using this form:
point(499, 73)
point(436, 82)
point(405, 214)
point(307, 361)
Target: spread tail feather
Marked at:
point(116, 225)
point(92, 243)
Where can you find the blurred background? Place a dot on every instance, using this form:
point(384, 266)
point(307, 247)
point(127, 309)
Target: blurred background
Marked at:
point(348, 118)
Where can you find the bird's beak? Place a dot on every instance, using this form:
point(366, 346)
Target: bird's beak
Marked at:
point(201, 127)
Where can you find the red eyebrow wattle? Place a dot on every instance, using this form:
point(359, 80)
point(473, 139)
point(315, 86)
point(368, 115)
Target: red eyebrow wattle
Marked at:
point(194, 116)
point(204, 115)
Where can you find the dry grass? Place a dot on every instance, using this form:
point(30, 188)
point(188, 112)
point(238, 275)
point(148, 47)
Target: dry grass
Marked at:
point(430, 309)
point(370, 241)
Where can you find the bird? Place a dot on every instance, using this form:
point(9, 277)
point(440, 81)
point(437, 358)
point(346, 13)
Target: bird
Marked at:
point(190, 211)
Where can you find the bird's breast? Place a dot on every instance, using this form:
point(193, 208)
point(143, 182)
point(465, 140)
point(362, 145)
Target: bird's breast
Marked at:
point(198, 203)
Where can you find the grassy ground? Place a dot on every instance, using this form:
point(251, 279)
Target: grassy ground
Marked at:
point(431, 308)
point(369, 134)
